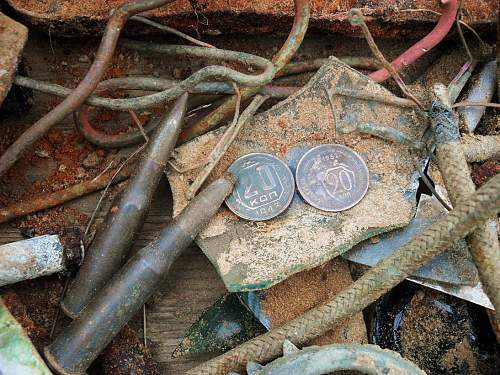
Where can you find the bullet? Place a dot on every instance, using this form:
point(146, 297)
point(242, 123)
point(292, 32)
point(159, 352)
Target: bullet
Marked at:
point(79, 345)
point(126, 216)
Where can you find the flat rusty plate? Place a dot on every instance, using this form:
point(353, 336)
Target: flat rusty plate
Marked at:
point(386, 18)
point(251, 255)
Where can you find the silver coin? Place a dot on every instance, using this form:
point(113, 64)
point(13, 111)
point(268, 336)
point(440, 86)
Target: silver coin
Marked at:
point(264, 189)
point(332, 177)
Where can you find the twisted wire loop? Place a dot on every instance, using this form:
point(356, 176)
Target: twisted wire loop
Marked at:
point(81, 93)
point(462, 220)
point(88, 84)
point(204, 74)
point(145, 84)
point(280, 59)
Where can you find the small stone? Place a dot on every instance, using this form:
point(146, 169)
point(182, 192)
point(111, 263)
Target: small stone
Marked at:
point(64, 63)
point(92, 160)
point(374, 239)
point(80, 172)
point(84, 59)
point(42, 154)
point(62, 168)
point(213, 32)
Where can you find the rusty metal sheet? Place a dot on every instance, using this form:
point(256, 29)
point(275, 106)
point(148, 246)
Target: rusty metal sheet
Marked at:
point(251, 255)
point(388, 18)
point(13, 37)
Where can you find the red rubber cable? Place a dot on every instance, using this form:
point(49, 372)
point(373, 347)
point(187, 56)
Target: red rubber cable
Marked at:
point(424, 45)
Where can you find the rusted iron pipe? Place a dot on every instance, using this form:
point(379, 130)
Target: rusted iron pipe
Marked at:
point(280, 59)
point(86, 86)
point(45, 201)
point(126, 216)
point(446, 21)
point(357, 62)
point(76, 347)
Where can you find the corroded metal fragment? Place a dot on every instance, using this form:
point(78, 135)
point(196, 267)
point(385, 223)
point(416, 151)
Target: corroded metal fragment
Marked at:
point(251, 255)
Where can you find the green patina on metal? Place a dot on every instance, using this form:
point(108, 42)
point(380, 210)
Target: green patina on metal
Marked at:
point(366, 359)
point(224, 325)
point(17, 353)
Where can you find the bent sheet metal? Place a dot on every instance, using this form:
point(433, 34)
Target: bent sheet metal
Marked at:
point(251, 255)
point(452, 272)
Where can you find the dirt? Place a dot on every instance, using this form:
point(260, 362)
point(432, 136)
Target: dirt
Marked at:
point(481, 173)
point(436, 334)
point(37, 334)
point(305, 290)
point(34, 305)
point(126, 355)
point(216, 17)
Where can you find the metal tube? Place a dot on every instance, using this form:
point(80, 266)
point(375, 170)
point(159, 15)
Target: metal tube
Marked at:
point(31, 258)
point(113, 241)
point(482, 91)
point(76, 348)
